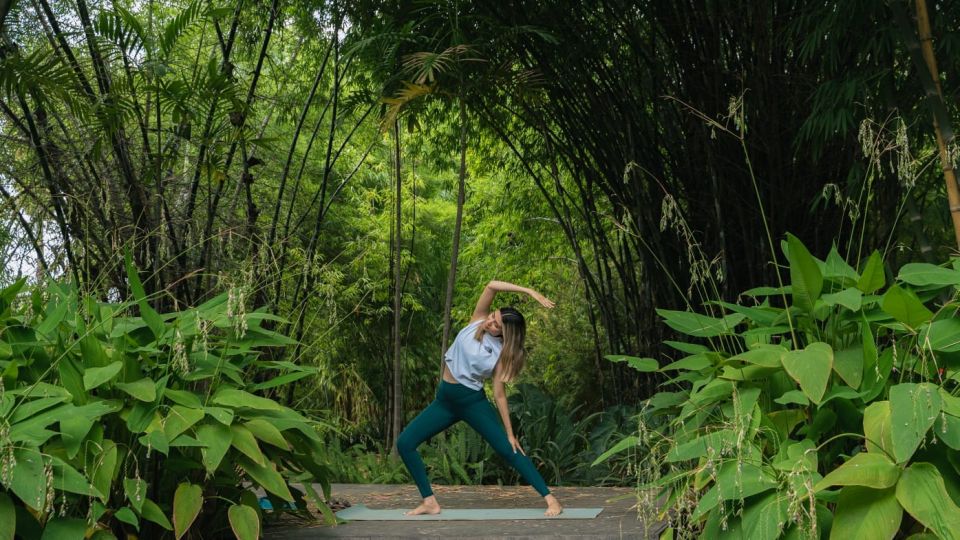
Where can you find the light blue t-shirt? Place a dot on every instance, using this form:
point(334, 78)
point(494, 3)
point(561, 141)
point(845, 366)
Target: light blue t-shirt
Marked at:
point(471, 361)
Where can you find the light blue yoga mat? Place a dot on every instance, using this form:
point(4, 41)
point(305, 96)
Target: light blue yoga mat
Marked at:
point(360, 512)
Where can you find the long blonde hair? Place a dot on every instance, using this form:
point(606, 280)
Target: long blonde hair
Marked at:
point(512, 356)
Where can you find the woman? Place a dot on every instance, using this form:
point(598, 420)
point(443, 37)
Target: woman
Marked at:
point(492, 344)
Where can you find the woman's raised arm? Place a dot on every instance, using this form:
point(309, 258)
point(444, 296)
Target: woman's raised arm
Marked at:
point(491, 290)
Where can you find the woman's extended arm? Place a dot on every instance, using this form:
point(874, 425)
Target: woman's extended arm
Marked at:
point(500, 398)
point(491, 290)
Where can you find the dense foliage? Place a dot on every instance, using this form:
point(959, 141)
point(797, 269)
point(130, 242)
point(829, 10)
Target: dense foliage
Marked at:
point(838, 414)
point(113, 424)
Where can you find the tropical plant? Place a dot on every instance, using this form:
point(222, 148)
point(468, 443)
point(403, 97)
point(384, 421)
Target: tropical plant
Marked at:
point(828, 405)
point(113, 424)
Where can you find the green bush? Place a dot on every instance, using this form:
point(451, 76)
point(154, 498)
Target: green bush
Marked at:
point(835, 415)
point(113, 424)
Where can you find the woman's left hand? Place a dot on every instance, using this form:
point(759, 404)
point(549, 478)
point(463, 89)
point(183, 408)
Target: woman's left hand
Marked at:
point(544, 301)
point(515, 444)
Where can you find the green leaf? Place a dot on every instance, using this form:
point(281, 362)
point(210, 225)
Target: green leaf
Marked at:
point(643, 365)
point(183, 397)
point(23, 478)
point(695, 362)
point(244, 441)
point(877, 428)
point(835, 267)
point(238, 398)
point(913, 409)
point(220, 414)
point(144, 389)
point(904, 306)
point(864, 469)
point(8, 517)
point(94, 377)
point(872, 277)
point(126, 515)
point(628, 442)
point(136, 491)
point(267, 432)
point(217, 438)
point(942, 335)
point(187, 501)
point(697, 325)
point(850, 298)
point(267, 476)
point(805, 276)
point(101, 466)
point(765, 355)
point(724, 438)
point(848, 363)
point(64, 529)
point(924, 496)
point(282, 380)
point(793, 396)
point(762, 520)
point(147, 313)
point(923, 274)
point(180, 419)
point(811, 369)
point(736, 481)
point(244, 522)
point(866, 514)
point(152, 512)
point(66, 478)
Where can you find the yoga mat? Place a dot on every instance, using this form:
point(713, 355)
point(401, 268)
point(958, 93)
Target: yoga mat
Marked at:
point(360, 512)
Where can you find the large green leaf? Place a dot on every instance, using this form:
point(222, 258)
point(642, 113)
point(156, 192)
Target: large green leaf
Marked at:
point(8, 517)
point(924, 496)
point(724, 438)
point(238, 398)
point(144, 389)
point(904, 306)
point(864, 469)
point(763, 519)
point(942, 335)
point(135, 490)
point(244, 441)
point(152, 512)
point(848, 363)
point(805, 275)
point(267, 432)
point(923, 274)
point(267, 476)
point(180, 419)
point(736, 481)
point(697, 325)
point(101, 466)
point(913, 409)
point(834, 267)
point(187, 501)
point(877, 428)
point(94, 377)
point(217, 438)
point(866, 514)
point(62, 528)
point(25, 477)
point(811, 369)
point(244, 522)
point(149, 315)
point(872, 277)
point(850, 298)
point(643, 365)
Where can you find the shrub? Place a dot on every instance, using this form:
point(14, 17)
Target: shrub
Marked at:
point(836, 414)
point(113, 424)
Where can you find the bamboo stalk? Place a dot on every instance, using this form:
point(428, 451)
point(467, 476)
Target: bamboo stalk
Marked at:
point(946, 163)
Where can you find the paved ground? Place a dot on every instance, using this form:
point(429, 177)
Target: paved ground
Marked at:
point(618, 519)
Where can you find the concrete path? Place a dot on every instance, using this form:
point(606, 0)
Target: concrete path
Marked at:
point(618, 519)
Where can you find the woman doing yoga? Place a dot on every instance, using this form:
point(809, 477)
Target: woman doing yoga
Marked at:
point(490, 346)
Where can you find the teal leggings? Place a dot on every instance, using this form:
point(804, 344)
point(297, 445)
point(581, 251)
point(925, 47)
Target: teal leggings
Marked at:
point(455, 402)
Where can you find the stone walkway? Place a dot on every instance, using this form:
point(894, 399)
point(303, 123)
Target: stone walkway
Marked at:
point(618, 519)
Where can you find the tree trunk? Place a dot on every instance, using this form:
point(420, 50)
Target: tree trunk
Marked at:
point(398, 250)
point(455, 252)
point(949, 175)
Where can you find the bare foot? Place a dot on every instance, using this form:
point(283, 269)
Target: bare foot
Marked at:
point(428, 506)
point(553, 506)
